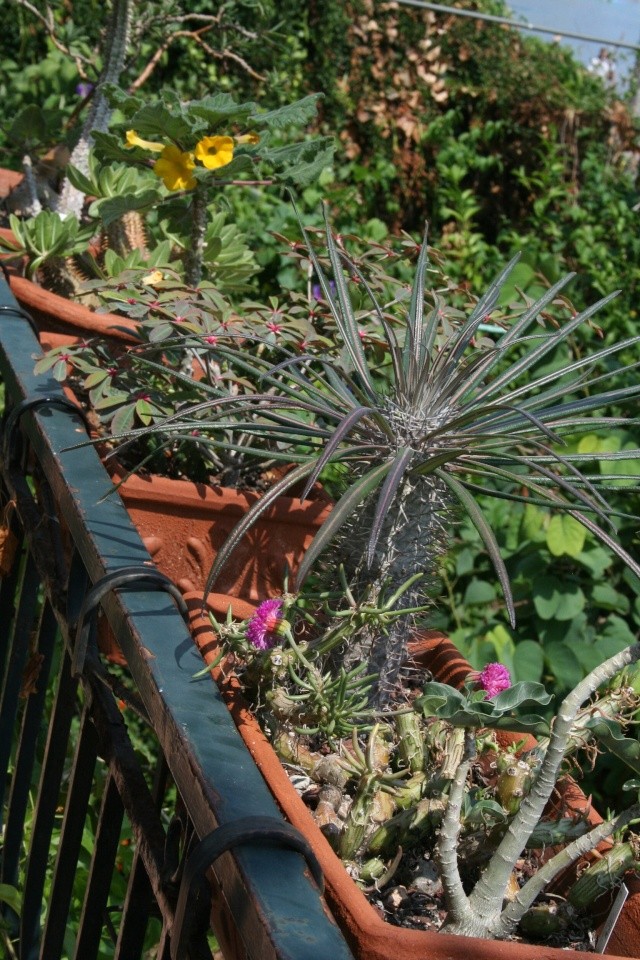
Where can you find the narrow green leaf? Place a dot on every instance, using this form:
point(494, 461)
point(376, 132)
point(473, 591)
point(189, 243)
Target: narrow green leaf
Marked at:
point(339, 515)
point(341, 431)
point(480, 523)
point(390, 486)
point(250, 518)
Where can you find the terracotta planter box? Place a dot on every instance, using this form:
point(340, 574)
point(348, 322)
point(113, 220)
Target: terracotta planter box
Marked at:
point(59, 321)
point(184, 524)
point(368, 935)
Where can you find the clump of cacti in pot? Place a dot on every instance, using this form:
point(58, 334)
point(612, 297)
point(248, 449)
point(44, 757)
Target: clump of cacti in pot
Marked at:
point(454, 414)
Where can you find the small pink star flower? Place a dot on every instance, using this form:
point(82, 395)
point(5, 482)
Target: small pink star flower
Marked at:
point(264, 626)
point(494, 679)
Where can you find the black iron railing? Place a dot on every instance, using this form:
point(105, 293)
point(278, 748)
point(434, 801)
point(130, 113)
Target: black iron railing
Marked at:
point(132, 812)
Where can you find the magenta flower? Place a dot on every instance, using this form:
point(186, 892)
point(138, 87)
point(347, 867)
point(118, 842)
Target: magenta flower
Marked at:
point(494, 679)
point(264, 626)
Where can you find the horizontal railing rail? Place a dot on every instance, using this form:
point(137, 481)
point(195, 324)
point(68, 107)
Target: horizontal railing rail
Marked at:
point(114, 840)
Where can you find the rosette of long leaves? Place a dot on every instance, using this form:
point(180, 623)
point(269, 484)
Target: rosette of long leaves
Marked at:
point(451, 418)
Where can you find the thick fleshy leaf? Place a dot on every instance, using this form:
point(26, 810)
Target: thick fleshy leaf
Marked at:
point(610, 735)
point(518, 694)
point(461, 710)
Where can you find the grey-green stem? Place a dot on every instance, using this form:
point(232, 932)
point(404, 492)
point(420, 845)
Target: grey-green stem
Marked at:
point(71, 199)
point(194, 256)
point(484, 917)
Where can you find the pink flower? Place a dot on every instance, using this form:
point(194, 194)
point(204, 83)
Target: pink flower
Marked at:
point(212, 339)
point(494, 679)
point(264, 626)
point(274, 327)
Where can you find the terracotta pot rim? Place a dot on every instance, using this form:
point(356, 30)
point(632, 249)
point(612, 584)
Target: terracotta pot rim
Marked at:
point(202, 497)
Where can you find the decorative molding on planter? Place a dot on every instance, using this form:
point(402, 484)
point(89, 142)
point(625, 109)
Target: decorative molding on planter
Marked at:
point(184, 524)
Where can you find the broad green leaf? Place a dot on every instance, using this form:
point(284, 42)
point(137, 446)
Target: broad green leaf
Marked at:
point(552, 600)
point(528, 660)
point(11, 897)
point(502, 643)
point(565, 535)
point(154, 120)
point(479, 591)
point(121, 100)
point(546, 597)
point(563, 664)
point(615, 636)
point(29, 126)
point(221, 107)
point(464, 562)
point(299, 113)
point(608, 598)
point(112, 209)
point(78, 179)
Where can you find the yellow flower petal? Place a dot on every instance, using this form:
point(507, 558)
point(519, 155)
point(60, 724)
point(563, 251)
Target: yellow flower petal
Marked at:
point(152, 278)
point(248, 138)
point(133, 140)
point(214, 152)
point(174, 168)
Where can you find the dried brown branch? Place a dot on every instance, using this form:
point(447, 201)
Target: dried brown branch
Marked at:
point(196, 37)
point(48, 22)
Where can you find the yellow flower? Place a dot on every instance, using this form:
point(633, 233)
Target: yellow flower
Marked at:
point(215, 152)
point(174, 167)
point(251, 138)
point(152, 278)
point(133, 140)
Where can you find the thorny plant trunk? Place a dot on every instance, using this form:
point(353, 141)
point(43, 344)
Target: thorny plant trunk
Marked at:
point(194, 255)
point(414, 536)
point(481, 914)
point(115, 48)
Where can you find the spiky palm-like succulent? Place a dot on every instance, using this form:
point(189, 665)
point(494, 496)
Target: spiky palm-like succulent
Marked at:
point(451, 420)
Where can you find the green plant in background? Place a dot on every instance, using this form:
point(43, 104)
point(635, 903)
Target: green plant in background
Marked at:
point(451, 416)
point(202, 149)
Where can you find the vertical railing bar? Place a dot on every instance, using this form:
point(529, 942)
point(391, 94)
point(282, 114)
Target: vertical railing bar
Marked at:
point(26, 755)
point(79, 794)
point(137, 904)
point(48, 795)
point(9, 699)
point(135, 912)
point(107, 837)
point(136, 796)
point(9, 584)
